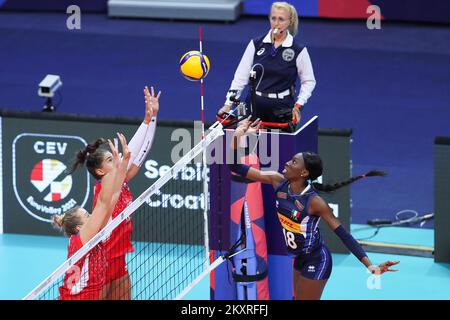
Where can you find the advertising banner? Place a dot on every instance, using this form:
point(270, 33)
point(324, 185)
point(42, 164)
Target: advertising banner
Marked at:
point(36, 153)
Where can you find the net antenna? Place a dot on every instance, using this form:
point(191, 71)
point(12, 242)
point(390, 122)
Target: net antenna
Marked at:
point(51, 282)
point(204, 163)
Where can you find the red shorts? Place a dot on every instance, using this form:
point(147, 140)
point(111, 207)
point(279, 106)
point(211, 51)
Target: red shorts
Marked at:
point(117, 268)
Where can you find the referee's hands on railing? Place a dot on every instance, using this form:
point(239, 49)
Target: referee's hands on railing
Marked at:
point(296, 114)
point(224, 109)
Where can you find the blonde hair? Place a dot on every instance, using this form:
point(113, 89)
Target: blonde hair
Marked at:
point(292, 12)
point(67, 222)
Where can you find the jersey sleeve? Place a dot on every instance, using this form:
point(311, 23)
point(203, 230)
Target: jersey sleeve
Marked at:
point(242, 73)
point(306, 76)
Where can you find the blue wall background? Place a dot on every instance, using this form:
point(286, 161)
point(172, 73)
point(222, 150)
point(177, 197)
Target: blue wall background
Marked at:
point(404, 10)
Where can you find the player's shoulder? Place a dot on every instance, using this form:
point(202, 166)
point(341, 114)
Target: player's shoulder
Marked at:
point(282, 185)
point(258, 40)
point(75, 242)
point(316, 200)
point(297, 45)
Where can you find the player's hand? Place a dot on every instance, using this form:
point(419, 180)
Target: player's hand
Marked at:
point(226, 108)
point(126, 153)
point(242, 127)
point(248, 126)
point(115, 152)
point(151, 103)
point(383, 267)
point(254, 127)
point(296, 115)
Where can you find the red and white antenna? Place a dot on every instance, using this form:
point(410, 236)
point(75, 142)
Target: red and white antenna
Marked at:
point(204, 166)
point(202, 91)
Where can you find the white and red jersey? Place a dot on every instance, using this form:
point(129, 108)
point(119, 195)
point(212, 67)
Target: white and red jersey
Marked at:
point(86, 278)
point(119, 242)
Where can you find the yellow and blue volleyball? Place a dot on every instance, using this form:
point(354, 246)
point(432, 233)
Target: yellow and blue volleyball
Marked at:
point(194, 65)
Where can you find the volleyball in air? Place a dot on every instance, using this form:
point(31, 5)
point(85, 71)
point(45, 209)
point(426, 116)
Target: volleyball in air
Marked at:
point(194, 65)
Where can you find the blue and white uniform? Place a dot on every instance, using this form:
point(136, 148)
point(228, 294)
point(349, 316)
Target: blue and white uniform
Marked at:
point(277, 71)
point(302, 234)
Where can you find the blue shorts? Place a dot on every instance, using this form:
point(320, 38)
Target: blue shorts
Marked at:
point(316, 265)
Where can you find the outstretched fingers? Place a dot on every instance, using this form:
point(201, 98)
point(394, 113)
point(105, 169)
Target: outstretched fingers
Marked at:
point(146, 92)
point(244, 124)
point(113, 146)
point(123, 143)
point(123, 140)
point(385, 267)
point(148, 104)
point(114, 149)
point(390, 264)
point(153, 93)
point(256, 124)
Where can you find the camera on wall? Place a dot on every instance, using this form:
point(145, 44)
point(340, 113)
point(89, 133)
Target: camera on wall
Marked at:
point(47, 89)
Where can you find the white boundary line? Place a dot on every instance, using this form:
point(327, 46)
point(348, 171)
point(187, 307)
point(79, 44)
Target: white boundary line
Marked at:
point(103, 234)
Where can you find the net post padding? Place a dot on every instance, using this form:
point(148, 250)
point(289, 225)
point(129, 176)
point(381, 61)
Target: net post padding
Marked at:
point(216, 131)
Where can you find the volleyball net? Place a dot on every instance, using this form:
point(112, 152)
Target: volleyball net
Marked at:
point(169, 237)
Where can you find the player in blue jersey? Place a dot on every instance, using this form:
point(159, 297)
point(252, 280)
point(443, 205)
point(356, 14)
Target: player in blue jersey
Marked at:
point(278, 60)
point(299, 209)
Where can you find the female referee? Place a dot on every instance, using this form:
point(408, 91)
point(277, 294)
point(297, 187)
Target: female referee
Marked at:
point(86, 279)
point(278, 60)
point(299, 209)
point(98, 163)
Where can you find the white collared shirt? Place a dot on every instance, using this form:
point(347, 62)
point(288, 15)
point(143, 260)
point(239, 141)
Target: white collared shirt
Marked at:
point(303, 63)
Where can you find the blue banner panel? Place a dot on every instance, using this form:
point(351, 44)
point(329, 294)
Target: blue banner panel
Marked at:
point(52, 5)
point(415, 10)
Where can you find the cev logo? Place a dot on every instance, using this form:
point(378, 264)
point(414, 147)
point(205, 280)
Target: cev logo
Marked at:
point(40, 180)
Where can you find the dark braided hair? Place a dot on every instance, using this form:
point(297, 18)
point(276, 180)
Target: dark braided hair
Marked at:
point(313, 163)
point(93, 155)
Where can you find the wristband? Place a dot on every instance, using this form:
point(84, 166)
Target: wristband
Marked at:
point(240, 169)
